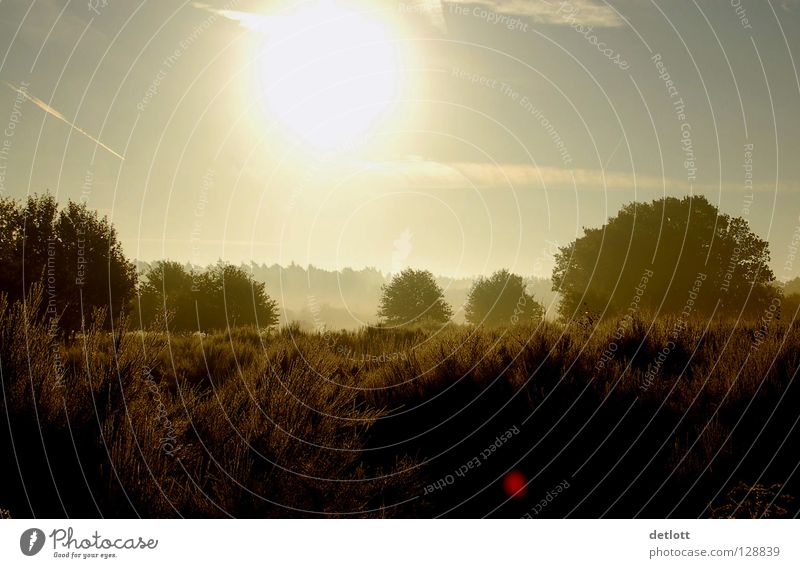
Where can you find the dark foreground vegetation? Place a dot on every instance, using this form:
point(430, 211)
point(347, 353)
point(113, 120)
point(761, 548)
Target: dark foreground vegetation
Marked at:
point(667, 388)
point(545, 420)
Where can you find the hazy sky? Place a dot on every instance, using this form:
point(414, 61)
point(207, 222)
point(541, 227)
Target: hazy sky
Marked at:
point(460, 137)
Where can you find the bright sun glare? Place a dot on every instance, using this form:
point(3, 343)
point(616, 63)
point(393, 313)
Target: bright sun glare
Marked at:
point(328, 73)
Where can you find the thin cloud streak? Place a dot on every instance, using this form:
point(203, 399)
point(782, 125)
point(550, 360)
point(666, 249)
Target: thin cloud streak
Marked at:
point(422, 173)
point(454, 175)
point(53, 112)
point(547, 12)
point(552, 12)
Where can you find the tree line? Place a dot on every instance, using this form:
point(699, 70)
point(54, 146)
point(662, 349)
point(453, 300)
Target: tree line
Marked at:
point(77, 256)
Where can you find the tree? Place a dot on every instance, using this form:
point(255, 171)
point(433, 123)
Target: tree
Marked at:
point(652, 255)
point(36, 244)
point(168, 289)
point(221, 297)
point(74, 253)
point(229, 297)
point(792, 287)
point(92, 269)
point(413, 296)
point(501, 300)
point(11, 225)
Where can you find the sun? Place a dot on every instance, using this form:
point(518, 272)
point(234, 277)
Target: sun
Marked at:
point(328, 72)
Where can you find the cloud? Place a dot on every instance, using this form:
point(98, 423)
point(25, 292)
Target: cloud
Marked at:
point(249, 20)
point(54, 113)
point(422, 173)
point(432, 10)
point(419, 173)
point(552, 12)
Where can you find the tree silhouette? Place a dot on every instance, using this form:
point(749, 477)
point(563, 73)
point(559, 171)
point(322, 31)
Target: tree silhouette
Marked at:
point(167, 289)
point(679, 241)
point(74, 252)
point(93, 271)
point(34, 236)
point(792, 287)
point(230, 297)
point(413, 296)
point(500, 300)
point(221, 297)
point(11, 227)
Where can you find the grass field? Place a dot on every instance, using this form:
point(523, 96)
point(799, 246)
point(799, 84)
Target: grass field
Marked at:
point(617, 419)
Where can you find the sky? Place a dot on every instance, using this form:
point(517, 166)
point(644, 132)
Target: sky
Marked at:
point(460, 137)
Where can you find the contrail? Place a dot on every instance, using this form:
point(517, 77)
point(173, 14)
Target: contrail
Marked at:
point(53, 112)
point(613, 152)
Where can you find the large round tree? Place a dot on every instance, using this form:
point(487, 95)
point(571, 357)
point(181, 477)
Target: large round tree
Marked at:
point(413, 296)
point(229, 297)
point(92, 266)
point(652, 256)
point(221, 297)
point(168, 289)
point(73, 252)
point(501, 300)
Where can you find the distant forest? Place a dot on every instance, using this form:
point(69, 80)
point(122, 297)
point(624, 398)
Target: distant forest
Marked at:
point(347, 298)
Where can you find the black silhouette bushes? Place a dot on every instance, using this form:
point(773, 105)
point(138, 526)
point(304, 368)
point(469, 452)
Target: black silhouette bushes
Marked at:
point(221, 297)
point(73, 252)
point(661, 249)
point(502, 300)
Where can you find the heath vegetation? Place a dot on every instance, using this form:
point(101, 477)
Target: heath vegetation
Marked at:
point(177, 394)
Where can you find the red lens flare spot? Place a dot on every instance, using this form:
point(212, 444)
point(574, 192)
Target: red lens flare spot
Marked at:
point(514, 484)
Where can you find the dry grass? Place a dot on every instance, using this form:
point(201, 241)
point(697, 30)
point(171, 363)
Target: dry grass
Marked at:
point(247, 423)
